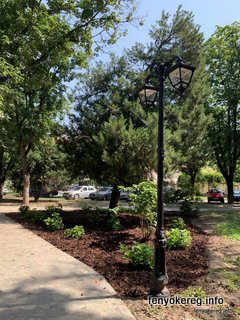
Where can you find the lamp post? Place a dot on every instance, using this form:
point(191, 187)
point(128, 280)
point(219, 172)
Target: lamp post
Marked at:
point(180, 76)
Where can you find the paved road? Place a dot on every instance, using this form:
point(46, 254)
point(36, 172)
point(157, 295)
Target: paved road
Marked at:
point(40, 282)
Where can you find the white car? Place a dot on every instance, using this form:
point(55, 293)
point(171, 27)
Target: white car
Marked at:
point(79, 192)
point(5, 191)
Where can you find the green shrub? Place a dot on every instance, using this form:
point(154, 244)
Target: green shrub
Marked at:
point(143, 198)
point(24, 210)
point(186, 208)
point(139, 254)
point(113, 222)
point(53, 209)
point(38, 216)
point(178, 239)
point(75, 232)
point(170, 196)
point(54, 222)
point(178, 223)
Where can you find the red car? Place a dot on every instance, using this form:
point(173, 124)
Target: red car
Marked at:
point(215, 195)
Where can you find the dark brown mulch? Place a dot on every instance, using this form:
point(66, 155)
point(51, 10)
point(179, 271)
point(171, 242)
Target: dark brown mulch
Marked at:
point(99, 248)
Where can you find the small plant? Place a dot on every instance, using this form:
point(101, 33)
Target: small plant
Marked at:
point(139, 254)
point(197, 292)
point(24, 210)
point(178, 239)
point(143, 198)
point(186, 208)
point(54, 222)
point(75, 232)
point(54, 209)
point(38, 216)
point(178, 223)
point(113, 222)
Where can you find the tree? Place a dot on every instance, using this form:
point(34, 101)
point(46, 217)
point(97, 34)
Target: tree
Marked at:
point(224, 76)
point(112, 90)
point(40, 50)
point(57, 32)
point(105, 141)
point(186, 121)
point(126, 153)
point(47, 167)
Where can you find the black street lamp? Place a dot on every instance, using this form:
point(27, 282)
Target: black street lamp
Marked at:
point(180, 76)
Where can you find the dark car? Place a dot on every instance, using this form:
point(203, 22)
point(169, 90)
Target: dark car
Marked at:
point(103, 193)
point(215, 195)
point(236, 195)
point(43, 193)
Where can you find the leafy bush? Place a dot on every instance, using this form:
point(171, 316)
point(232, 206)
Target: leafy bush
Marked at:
point(38, 216)
point(178, 223)
point(170, 196)
point(143, 198)
point(54, 222)
point(186, 208)
point(113, 223)
point(75, 232)
point(54, 209)
point(139, 254)
point(178, 239)
point(24, 210)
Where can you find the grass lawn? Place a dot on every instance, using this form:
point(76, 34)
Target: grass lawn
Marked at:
point(228, 224)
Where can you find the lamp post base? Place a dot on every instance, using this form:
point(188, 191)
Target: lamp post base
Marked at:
point(158, 288)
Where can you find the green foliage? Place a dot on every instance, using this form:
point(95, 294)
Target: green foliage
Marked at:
point(54, 222)
point(33, 215)
point(38, 216)
point(139, 254)
point(39, 54)
point(178, 223)
point(186, 208)
point(197, 292)
point(75, 232)
point(170, 195)
point(229, 229)
point(24, 210)
point(54, 209)
point(178, 239)
point(210, 176)
point(143, 199)
point(113, 222)
point(223, 104)
point(231, 279)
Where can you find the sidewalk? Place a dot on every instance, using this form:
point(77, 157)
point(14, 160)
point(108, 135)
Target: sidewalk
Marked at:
point(40, 282)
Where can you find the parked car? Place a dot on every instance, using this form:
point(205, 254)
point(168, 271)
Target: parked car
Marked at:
point(103, 193)
point(5, 191)
point(78, 192)
point(236, 195)
point(215, 195)
point(43, 193)
point(124, 195)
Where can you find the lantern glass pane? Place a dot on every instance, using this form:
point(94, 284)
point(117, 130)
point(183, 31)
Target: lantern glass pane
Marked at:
point(175, 77)
point(150, 95)
point(147, 96)
point(186, 75)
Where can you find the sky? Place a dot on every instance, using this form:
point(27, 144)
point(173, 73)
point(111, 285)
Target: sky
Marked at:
point(207, 13)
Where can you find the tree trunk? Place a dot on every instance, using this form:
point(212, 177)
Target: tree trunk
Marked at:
point(26, 175)
point(114, 197)
point(229, 182)
point(2, 180)
point(26, 185)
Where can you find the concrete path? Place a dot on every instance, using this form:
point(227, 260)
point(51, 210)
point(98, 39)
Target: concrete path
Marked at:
point(40, 282)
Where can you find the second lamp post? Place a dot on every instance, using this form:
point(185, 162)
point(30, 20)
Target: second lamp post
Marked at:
point(180, 76)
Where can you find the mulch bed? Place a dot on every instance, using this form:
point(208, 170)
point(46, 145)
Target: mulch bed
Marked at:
point(99, 249)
